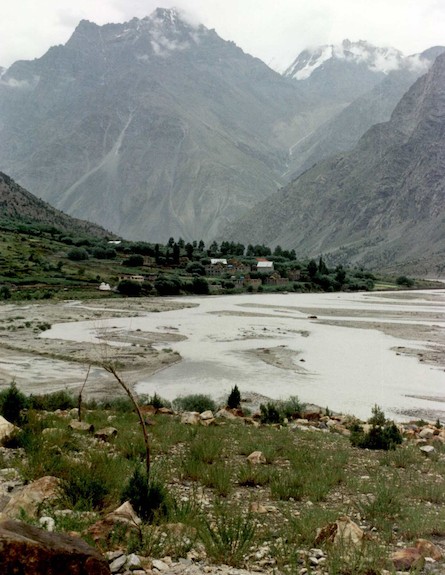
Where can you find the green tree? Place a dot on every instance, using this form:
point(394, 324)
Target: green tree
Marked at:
point(134, 261)
point(129, 288)
point(312, 268)
point(176, 254)
point(200, 285)
point(5, 292)
point(404, 281)
point(12, 402)
point(234, 399)
point(77, 254)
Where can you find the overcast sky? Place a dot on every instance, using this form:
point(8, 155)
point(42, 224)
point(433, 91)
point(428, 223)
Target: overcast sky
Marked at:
point(273, 30)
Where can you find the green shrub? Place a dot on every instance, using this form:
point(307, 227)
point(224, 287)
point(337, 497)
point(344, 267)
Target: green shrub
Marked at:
point(378, 417)
point(288, 484)
point(199, 286)
point(292, 407)
point(234, 399)
point(134, 261)
point(170, 286)
point(129, 288)
point(148, 497)
point(383, 434)
point(270, 413)
point(12, 402)
point(155, 400)
point(5, 292)
point(195, 402)
point(227, 538)
point(404, 281)
point(52, 401)
point(83, 490)
point(77, 254)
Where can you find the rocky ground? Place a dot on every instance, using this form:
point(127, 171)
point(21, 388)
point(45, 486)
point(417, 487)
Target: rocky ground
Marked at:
point(348, 535)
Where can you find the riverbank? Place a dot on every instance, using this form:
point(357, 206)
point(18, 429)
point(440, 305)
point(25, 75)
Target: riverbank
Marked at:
point(328, 349)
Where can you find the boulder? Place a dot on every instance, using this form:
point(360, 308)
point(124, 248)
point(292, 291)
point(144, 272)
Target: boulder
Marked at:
point(206, 415)
point(312, 414)
point(256, 507)
point(428, 549)
point(427, 449)
point(166, 411)
point(133, 562)
point(81, 426)
point(426, 433)
point(208, 422)
point(123, 515)
point(407, 559)
point(251, 421)
point(117, 564)
point(343, 532)
point(31, 497)
point(226, 414)
point(7, 430)
point(106, 434)
point(190, 418)
point(28, 549)
point(256, 458)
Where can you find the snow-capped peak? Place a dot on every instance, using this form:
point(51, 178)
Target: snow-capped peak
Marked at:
point(377, 59)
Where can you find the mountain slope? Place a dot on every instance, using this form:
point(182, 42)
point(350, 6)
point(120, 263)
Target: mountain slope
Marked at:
point(20, 207)
point(152, 128)
point(387, 70)
point(383, 204)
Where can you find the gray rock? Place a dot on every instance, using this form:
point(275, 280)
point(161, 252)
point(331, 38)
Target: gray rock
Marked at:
point(118, 564)
point(160, 565)
point(81, 426)
point(133, 562)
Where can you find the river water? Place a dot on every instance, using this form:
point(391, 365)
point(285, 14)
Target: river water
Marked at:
point(273, 345)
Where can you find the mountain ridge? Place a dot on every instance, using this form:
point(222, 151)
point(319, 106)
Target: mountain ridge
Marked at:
point(123, 112)
point(382, 204)
point(19, 206)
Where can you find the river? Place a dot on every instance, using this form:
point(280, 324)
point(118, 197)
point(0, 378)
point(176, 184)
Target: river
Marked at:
point(280, 345)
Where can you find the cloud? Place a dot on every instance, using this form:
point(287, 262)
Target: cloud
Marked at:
point(274, 30)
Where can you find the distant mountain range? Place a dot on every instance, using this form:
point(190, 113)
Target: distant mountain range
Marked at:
point(153, 128)
point(158, 127)
point(381, 205)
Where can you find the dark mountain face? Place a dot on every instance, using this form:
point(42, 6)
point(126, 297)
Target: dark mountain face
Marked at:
point(383, 204)
point(18, 206)
point(152, 128)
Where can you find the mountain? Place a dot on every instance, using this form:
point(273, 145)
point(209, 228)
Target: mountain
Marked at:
point(19, 207)
point(349, 69)
point(381, 205)
point(153, 128)
point(342, 132)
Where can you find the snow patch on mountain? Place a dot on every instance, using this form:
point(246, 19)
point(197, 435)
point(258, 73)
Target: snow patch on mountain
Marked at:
point(377, 59)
